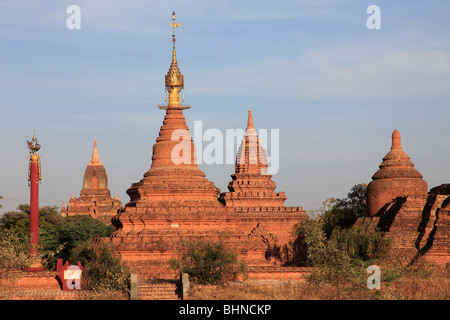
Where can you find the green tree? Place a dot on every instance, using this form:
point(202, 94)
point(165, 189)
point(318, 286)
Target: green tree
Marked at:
point(207, 262)
point(103, 268)
point(334, 266)
point(48, 215)
point(338, 251)
point(74, 230)
point(58, 236)
point(355, 202)
point(313, 236)
point(19, 221)
point(343, 212)
point(361, 244)
point(13, 256)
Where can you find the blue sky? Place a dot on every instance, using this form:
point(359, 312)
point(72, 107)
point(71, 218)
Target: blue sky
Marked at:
point(312, 69)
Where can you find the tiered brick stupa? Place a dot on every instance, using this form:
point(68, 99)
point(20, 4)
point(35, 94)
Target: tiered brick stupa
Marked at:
point(417, 222)
point(253, 197)
point(95, 197)
point(174, 202)
point(174, 175)
point(251, 186)
point(397, 177)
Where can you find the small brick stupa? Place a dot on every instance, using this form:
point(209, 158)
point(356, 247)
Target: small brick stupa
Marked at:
point(174, 202)
point(95, 198)
point(396, 177)
point(251, 185)
point(417, 221)
point(253, 197)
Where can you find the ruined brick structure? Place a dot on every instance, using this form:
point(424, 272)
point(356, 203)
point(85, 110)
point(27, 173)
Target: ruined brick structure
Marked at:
point(95, 198)
point(399, 204)
point(174, 201)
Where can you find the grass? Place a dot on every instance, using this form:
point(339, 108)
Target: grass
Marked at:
point(415, 283)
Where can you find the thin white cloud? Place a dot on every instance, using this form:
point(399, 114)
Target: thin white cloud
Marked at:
point(144, 17)
point(353, 71)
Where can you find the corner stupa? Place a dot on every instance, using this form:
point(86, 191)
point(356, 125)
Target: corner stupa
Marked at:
point(396, 177)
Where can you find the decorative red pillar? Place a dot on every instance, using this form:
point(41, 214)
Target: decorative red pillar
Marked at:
point(34, 175)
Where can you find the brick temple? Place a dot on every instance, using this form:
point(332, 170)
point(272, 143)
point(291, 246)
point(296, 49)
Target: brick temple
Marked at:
point(95, 198)
point(174, 201)
point(399, 204)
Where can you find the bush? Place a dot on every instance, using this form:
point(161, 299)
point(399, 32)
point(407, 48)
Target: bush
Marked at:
point(103, 268)
point(74, 230)
point(342, 259)
point(57, 235)
point(13, 255)
point(361, 244)
point(207, 263)
point(341, 212)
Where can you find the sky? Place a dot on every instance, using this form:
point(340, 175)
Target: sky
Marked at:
point(335, 89)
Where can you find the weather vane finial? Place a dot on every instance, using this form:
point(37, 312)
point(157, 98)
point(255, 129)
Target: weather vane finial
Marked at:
point(174, 25)
point(33, 145)
point(174, 80)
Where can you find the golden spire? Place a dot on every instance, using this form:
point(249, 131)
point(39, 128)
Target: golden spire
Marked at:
point(174, 78)
point(174, 26)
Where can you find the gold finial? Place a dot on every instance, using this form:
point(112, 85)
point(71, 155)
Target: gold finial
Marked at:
point(174, 78)
point(33, 147)
point(174, 25)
